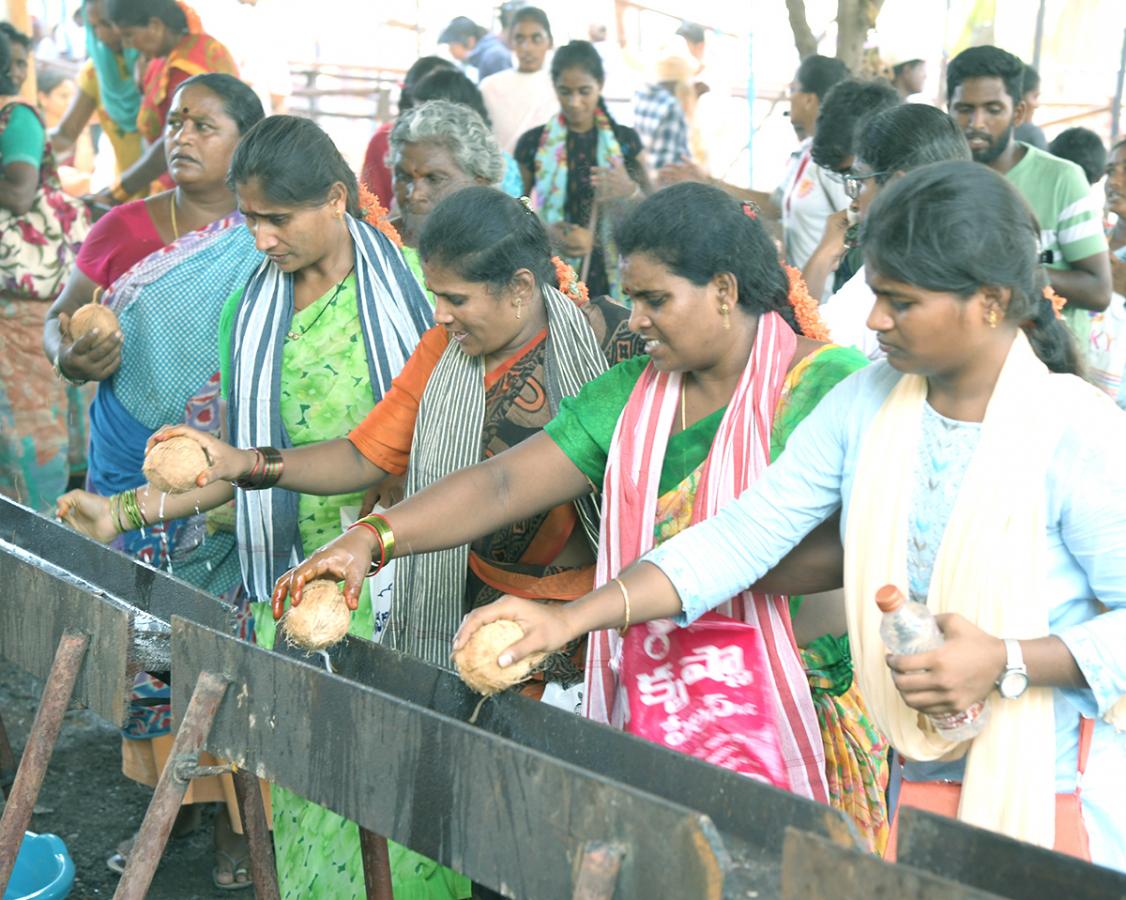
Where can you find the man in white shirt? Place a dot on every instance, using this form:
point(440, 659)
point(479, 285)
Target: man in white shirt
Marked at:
point(892, 143)
point(522, 98)
point(807, 197)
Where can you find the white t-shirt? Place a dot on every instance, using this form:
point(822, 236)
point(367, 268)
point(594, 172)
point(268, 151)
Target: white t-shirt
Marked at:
point(846, 316)
point(807, 197)
point(518, 101)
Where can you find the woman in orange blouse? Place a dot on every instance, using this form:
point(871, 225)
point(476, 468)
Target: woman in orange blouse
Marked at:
point(169, 34)
point(485, 378)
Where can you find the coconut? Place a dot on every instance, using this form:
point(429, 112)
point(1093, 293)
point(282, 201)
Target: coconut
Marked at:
point(174, 465)
point(92, 315)
point(476, 662)
point(321, 619)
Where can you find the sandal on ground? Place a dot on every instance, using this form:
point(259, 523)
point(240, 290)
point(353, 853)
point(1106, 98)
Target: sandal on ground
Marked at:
point(117, 860)
point(239, 867)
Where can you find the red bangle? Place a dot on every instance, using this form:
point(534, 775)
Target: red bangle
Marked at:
point(382, 549)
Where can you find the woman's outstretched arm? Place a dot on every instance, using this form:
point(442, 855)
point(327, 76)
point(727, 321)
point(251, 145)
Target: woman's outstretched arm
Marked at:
point(530, 478)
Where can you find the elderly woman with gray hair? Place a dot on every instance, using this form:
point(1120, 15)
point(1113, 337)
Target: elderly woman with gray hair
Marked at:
point(437, 149)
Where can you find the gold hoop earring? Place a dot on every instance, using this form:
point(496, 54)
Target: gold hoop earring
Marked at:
point(991, 317)
point(725, 311)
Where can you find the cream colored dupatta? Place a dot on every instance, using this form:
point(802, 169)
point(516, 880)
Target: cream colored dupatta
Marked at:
point(990, 568)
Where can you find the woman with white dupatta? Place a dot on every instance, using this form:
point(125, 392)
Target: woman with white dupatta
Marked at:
point(972, 472)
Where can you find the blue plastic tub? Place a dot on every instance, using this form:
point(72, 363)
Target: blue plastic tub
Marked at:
point(44, 869)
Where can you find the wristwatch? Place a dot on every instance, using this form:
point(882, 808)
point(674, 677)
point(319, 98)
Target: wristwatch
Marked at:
point(1014, 680)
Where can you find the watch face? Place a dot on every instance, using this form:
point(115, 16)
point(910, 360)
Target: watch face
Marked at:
point(1013, 684)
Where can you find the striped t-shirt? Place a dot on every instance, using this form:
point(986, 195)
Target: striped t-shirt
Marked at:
point(1070, 219)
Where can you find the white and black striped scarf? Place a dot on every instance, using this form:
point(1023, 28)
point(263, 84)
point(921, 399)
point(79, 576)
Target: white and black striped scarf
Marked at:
point(393, 315)
point(429, 595)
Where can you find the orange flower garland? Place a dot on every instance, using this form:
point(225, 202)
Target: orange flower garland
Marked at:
point(806, 310)
point(1058, 302)
point(372, 212)
point(569, 283)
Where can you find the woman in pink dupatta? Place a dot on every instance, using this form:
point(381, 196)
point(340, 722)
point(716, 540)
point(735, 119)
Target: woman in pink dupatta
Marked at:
point(667, 437)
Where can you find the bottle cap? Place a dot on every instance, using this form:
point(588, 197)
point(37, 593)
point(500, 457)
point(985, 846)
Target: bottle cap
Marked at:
point(889, 598)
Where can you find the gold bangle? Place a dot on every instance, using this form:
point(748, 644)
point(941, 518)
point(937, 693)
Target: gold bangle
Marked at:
point(625, 594)
point(381, 528)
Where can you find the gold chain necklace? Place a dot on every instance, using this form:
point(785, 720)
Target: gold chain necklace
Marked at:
point(301, 332)
point(175, 228)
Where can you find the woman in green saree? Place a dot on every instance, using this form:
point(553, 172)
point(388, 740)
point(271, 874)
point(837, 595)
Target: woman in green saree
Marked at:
point(728, 354)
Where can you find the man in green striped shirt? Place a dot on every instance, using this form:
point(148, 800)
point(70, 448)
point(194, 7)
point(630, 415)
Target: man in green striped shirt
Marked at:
point(985, 91)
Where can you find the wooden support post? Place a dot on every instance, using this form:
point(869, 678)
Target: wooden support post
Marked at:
point(263, 870)
point(37, 751)
point(377, 865)
point(598, 872)
point(169, 794)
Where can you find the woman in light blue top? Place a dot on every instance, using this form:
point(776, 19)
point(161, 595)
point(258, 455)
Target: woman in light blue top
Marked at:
point(972, 472)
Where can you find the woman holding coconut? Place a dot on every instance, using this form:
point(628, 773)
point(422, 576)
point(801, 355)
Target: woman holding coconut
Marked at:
point(164, 266)
point(972, 476)
point(307, 346)
point(715, 311)
point(508, 345)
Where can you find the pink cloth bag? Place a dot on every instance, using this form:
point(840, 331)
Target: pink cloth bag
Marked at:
point(702, 690)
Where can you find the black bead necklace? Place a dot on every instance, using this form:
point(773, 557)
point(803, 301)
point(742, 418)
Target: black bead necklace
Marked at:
point(301, 332)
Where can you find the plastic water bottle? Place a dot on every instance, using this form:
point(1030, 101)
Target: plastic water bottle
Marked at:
point(908, 628)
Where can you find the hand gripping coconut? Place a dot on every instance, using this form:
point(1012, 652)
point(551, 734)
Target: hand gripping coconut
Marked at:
point(476, 661)
point(320, 620)
point(174, 465)
point(87, 318)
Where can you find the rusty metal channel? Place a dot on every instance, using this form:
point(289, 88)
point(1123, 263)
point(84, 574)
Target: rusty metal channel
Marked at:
point(510, 817)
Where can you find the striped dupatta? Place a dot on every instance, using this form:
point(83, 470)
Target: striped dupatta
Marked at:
point(739, 455)
point(393, 314)
point(429, 597)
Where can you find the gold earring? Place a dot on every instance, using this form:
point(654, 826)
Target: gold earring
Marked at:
point(991, 317)
point(518, 305)
point(725, 311)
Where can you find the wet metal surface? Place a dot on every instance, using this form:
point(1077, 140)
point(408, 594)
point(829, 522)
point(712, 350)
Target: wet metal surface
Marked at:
point(816, 869)
point(109, 573)
point(56, 579)
point(40, 604)
point(512, 818)
point(746, 813)
point(999, 864)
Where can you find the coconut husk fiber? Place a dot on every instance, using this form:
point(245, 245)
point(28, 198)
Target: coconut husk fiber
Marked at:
point(476, 662)
point(174, 465)
point(321, 619)
point(87, 318)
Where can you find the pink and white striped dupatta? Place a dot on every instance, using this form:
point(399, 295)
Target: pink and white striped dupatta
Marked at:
point(740, 453)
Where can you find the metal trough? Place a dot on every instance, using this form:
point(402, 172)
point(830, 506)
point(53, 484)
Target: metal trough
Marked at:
point(528, 800)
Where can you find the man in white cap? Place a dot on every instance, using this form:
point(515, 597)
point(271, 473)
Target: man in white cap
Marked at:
point(908, 71)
